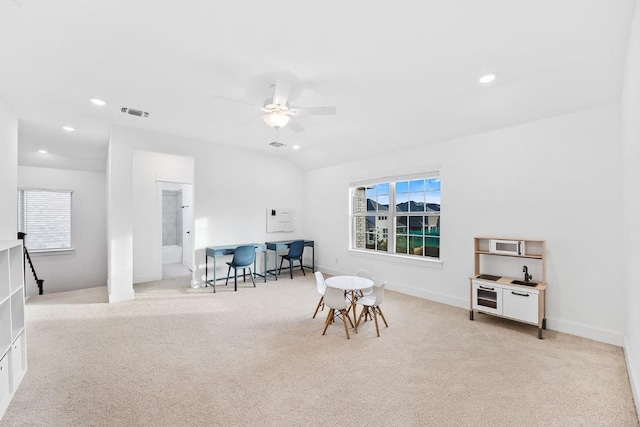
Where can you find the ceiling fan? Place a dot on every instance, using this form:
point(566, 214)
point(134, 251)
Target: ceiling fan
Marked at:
point(278, 112)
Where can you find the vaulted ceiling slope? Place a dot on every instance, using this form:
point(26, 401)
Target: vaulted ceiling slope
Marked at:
point(399, 74)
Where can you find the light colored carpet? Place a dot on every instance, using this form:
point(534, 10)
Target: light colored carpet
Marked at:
point(178, 356)
point(172, 271)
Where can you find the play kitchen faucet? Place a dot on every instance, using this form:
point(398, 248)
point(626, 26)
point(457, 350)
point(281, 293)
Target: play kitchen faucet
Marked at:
point(527, 276)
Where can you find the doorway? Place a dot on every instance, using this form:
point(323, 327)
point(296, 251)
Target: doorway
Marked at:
point(177, 229)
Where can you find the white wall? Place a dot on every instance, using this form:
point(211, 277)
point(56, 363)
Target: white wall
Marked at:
point(188, 224)
point(8, 173)
point(119, 221)
point(556, 179)
point(149, 169)
point(232, 189)
point(86, 266)
point(631, 186)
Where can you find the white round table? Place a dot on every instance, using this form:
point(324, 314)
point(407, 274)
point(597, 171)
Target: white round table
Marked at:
point(349, 284)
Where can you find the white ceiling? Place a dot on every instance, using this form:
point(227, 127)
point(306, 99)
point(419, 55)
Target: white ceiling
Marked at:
point(400, 74)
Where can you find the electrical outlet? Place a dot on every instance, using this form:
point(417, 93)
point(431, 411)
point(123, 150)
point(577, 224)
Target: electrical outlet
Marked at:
point(336, 260)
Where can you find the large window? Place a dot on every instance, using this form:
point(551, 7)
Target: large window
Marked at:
point(45, 216)
point(400, 216)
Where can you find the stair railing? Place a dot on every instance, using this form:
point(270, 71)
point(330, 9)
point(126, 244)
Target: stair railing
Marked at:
point(39, 282)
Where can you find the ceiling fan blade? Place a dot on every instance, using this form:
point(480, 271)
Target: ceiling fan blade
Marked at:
point(281, 92)
point(302, 111)
point(295, 126)
point(224, 98)
point(251, 120)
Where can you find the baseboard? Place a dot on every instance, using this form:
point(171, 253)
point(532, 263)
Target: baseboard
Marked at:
point(601, 335)
point(125, 296)
point(431, 296)
point(563, 326)
point(634, 378)
point(419, 293)
point(147, 278)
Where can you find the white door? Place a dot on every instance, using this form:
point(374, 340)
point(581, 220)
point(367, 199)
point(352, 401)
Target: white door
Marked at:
point(187, 226)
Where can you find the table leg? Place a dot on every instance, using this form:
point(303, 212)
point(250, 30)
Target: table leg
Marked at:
point(275, 263)
point(353, 306)
point(265, 266)
point(206, 268)
point(214, 274)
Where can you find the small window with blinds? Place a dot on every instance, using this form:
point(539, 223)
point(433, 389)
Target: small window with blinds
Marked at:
point(45, 217)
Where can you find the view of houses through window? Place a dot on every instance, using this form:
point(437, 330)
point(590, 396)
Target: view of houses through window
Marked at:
point(400, 217)
point(45, 217)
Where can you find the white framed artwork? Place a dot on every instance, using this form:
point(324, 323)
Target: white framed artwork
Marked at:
point(279, 220)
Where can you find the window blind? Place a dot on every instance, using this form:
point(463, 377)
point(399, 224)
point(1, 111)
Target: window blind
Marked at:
point(45, 216)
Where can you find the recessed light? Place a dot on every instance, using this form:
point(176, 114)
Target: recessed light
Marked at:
point(296, 147)
point(42, 151)
point(68, 128)
point(487, 78)
point(97, 101)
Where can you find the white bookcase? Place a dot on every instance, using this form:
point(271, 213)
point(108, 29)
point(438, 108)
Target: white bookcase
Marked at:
point(13, 343)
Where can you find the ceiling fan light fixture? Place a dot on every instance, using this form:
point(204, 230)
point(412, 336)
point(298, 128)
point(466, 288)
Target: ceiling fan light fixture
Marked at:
point(276, 119)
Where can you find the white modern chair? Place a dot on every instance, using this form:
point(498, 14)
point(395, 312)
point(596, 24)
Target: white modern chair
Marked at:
point(338, 304)
point(364, 273)
point(371, 307)
point(322, 288)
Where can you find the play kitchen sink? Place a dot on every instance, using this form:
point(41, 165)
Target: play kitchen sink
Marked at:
point(522, 282)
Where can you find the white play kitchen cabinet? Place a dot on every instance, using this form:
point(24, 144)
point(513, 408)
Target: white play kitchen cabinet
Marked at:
point(521, 299)
point(13, 350)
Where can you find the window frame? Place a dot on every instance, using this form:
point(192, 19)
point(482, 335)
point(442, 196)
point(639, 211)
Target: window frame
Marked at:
point(392, 217)
point(44, 251)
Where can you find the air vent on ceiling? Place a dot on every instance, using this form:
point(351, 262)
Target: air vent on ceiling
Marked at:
point(133, 112)
point(276, 144)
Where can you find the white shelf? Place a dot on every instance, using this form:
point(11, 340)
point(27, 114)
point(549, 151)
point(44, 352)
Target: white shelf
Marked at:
point(13, 343)
point(5, 383)
point(4, 274)
point(16, 271)
point(17, 314)
point(5, 330)
point(532, 256)
point(18, 360)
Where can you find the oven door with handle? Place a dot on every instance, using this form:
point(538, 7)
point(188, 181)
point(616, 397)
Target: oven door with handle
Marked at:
point(487, 297)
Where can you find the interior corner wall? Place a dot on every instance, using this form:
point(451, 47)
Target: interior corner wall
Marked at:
point(8, 173)
point(631, 202)
point(149, 168)
point(232, 189)
point(86, 266)
point(557, 179)
point(119, 221)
